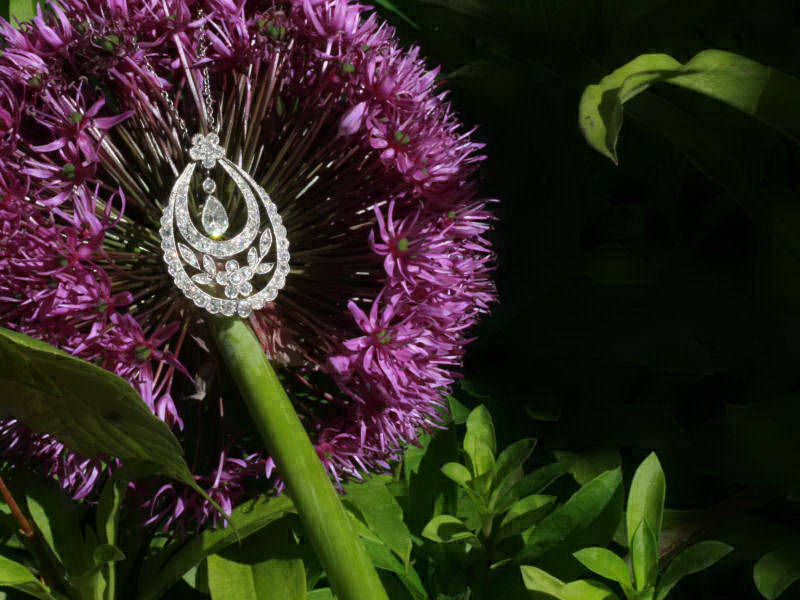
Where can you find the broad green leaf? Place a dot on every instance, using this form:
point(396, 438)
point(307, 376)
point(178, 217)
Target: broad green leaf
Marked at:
point(605, 563)
point(532, 483)
point(273, 579)
point(458, 411)
point(480, 428)
point(692, 560)
point(56, 517)
point(267, 565)
point(644, 556)
point(21, 10)
point(646, 498)
point(381, 513)
point(447, 528)
point(457, 472)
point(585, 589)
point(753, 88)
point(432, 492)
point(776, 571)
point(525, 513)
point(321, 594)
point(91, 410)
point(382, 558)
point(578, 518)
point(537, 580)
point(512, 458)
point(17, 576)
point(249, 518)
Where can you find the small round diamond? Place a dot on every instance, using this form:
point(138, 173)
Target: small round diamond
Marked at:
point(209, 186)
point(244, 309)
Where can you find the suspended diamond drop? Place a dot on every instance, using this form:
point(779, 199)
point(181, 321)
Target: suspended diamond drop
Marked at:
point(209, 186)
point(215, 219)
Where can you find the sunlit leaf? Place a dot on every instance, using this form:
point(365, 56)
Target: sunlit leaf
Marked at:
point(776, 571)
point(753, 88)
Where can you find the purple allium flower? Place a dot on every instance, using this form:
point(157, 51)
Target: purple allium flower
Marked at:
point(370, 169)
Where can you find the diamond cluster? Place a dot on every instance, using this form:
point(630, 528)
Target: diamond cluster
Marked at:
point(229, 284)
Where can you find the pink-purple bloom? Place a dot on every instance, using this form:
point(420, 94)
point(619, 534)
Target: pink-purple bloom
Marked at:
point(370, 169)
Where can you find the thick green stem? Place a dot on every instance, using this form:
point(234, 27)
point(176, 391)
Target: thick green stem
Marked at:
point(322, 515)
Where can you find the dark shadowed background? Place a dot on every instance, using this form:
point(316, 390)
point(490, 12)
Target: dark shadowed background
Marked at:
point(653, 305)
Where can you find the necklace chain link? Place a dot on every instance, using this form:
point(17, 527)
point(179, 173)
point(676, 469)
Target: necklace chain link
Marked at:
point(207, 97)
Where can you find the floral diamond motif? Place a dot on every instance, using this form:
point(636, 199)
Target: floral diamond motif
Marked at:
point(236, 279)
point(206, 149)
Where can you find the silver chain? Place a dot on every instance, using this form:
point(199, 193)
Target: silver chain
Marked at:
point(207, 98)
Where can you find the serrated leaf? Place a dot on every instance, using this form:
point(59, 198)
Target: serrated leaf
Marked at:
point(264, 268)
point(382, 514)
point(646, 498)
point(159, 573)
point(692, 560)
point(753, 88)
point(605, 563)
point(265, 242)
point(188, 255)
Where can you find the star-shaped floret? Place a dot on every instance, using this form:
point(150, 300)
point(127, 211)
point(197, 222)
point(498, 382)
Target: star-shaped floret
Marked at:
point(206, 148)
point(236, 279)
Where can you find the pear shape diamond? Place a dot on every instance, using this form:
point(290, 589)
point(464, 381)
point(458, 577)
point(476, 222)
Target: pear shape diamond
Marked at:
point(215, 219)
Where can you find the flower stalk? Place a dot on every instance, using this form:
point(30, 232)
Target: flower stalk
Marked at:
point(351, 574)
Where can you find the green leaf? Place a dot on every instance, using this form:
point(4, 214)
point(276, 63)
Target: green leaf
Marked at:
point(91, 410)
point(532, 483)
point(248, 518)
point(383, 558)
point(268, 565)
point(321, 594)
point(646, 498)
point(776, 571)
point(585, 589)
point(578, 518)
point(605, 563)
point(457, 472)
point(512, 458)
point(537, 580)
point(525, 513)
point(692, 560)
point(56, 517)
point(480, 428)
point(479, 442)
point(753, 88)
point(459, 412)
point(268, 580)
point(107, 553)
point(447, 528)
point(382, 514)
point(19, 577)
point(22, 10)
point(644, 556)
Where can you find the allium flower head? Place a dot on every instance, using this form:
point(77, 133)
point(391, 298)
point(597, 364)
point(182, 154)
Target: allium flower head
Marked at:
point(371, 172)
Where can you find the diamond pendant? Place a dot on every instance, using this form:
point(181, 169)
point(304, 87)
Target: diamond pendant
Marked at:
point(205, 267)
